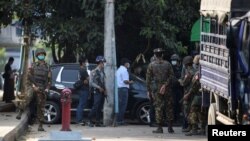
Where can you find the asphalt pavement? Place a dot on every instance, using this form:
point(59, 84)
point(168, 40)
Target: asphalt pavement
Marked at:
point(120, 133)
point(12, 129)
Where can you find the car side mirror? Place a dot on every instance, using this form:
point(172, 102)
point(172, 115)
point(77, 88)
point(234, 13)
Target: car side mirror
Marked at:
point(59, 86)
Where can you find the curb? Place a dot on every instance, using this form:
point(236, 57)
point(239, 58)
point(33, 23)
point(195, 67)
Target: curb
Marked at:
point(7, 107)
point(18, 130)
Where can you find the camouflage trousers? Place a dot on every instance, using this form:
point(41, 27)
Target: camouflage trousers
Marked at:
point(25, 99)
point(196, 115)
point(163, 103)
point(40, 98)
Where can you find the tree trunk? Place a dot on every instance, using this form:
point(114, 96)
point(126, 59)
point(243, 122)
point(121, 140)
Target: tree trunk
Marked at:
point(110, 55)
point(25, 59)
point(53, 49)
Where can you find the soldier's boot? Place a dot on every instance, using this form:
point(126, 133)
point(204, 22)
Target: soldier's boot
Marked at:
point(158, 130)
point(187, 129)
point(19, 115)
point(194, 130)
point(170, 127)
point(40, 127)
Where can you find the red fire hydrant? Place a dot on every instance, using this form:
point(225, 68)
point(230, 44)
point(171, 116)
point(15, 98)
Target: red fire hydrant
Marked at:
point(66, 106)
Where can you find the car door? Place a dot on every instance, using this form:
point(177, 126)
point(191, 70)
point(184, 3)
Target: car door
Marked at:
point(69, 76)
point(137, 92)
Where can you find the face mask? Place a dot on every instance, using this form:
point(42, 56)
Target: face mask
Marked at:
point(174, 62)
point(41, 57)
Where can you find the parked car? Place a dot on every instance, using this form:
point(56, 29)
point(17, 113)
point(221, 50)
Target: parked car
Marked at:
point(64, 75)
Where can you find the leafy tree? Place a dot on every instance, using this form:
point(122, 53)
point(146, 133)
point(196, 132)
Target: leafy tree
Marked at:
point(76, 26)
point(2, 59)
point(156, 23)
point(6, 11)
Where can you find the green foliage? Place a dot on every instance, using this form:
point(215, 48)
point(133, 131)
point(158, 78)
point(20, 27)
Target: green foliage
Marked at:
point(71, 27)
point(2, 59)
point(155, 23)
point(6, 12)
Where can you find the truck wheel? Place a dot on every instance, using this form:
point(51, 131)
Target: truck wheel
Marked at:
point(211, 114)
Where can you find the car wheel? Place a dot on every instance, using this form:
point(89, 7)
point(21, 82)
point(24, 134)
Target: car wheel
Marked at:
point(142, 113)
point(52, 112)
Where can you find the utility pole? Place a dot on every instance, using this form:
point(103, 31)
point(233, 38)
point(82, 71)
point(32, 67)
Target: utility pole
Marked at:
point(110, 55)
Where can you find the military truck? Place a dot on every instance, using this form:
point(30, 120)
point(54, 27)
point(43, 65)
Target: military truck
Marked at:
point(225, 61)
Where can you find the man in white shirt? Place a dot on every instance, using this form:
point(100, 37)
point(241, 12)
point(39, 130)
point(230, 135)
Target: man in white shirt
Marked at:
point(123, 82)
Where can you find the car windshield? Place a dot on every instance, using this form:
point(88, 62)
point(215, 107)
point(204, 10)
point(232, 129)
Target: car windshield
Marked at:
point(139, 83)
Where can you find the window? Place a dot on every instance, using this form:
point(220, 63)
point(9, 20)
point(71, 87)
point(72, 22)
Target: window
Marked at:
point(138, 84)
point(55, 72)
point(69, 76)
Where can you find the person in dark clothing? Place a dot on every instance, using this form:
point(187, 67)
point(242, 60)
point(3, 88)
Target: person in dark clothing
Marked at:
point(8, 94)
point(177, 88)
point(83, 91)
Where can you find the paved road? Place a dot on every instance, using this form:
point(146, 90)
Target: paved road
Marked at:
point(122, 133)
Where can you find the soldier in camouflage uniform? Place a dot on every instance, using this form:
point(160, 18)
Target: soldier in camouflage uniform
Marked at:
point(196, 113)
point(161, 72)
point(38, 84)
point(152, 107)
point(186, 83)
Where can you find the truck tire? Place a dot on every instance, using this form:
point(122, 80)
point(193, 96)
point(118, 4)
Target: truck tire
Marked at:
point(212, 114)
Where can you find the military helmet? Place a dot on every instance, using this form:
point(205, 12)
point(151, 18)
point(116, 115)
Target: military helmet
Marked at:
point(100, 59)
point(40, 51)
point(158, 50)
point(175, 57)
point(187, 60)
point(196, 59)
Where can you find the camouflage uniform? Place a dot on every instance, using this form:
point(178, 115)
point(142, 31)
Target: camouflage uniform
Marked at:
point(38, 77)
point(161, 73)
point(196, 114)
point(186, 83)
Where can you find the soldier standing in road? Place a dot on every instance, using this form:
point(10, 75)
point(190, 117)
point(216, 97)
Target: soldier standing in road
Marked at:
point(161, 72)
point(38, 83)
point(186, 83)
point(196, 113)
point(97, 77)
